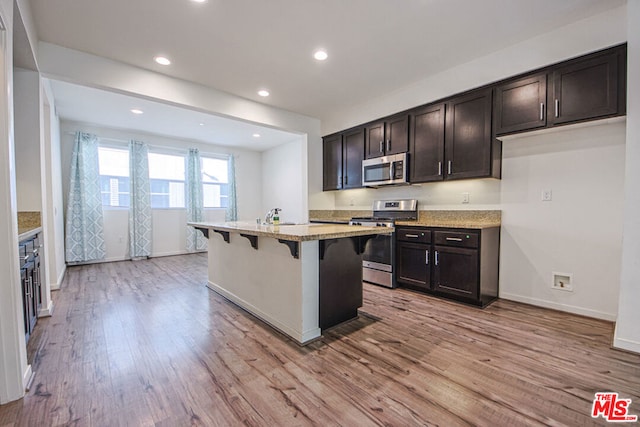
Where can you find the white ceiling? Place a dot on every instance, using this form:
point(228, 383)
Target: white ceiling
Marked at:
point(375, 46)
point(110, 109)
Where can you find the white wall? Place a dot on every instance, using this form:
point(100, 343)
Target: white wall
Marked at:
point(627, 335)
point(14, 369)
point(26, 86)
point(578, 232)
point(169, 236)
point(282, 187)
point(52, 182)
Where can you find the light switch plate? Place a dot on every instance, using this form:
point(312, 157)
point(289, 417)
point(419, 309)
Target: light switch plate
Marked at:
point(546, 195)
point(465, 197)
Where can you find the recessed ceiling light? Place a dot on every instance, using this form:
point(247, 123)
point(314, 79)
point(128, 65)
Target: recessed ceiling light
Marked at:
point(256, 135)
point(201, 124)
point(320, 55)
point(136, 111)
point(198, 1)
point(263, 92)
point(162, 60)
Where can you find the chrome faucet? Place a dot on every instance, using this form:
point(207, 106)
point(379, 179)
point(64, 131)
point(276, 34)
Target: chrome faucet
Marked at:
point(268, 218)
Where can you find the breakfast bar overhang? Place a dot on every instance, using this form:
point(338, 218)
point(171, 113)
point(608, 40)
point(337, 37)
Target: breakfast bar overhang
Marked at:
point(300, 279)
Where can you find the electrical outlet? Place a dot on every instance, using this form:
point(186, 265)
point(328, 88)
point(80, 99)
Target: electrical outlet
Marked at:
point(465, 197)
point(546, 195)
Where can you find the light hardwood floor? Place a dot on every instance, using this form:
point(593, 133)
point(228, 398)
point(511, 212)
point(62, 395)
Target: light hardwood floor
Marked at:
point(146, 343)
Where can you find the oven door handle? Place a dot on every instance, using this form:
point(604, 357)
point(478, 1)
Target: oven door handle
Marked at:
point(392, 170)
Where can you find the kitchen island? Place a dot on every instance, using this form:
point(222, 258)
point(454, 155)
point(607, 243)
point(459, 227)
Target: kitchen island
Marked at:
point(300, 279)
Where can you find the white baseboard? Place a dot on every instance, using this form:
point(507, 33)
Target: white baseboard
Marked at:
point(625, 344)
point(560, 307)
point(46, 312)
point(56, 286)
point(27, 377)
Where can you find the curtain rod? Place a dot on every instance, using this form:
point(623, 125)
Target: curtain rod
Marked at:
point(162, 147)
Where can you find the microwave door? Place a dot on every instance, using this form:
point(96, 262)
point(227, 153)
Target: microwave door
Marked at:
point(375, 174)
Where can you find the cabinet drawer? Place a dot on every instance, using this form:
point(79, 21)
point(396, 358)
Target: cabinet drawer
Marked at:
point(456, 238)
point(417, 235)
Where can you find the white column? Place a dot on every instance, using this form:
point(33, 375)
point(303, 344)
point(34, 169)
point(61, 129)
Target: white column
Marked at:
point(627, 334)
point(13, 359)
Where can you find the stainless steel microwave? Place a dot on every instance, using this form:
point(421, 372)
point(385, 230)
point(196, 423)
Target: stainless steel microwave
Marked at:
point(385, 170)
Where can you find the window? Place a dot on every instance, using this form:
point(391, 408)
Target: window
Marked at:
point(215, 182)
point(167, 176)
point(113, 167)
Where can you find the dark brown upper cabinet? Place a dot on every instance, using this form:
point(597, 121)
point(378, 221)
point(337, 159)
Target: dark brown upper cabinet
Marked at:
point(587, 89)
point(468, 138)
point(352, 156)
point(332, 162)
point(342, 160)
point(389, 136)
point(521, 105)
point(426, 144)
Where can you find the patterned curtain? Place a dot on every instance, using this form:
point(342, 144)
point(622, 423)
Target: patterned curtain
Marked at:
point(84, 232)
point(140, 230)
point(195, 239)
point(232, 207)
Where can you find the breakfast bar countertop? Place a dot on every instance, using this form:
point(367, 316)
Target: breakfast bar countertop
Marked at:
point(293, 232)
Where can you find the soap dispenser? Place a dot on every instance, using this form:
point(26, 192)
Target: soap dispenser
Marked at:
point(276, 216)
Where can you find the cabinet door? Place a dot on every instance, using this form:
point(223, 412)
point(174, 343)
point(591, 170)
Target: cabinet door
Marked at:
point(332, 162)
point(426, 139)
point(455, 271)
point(468, 136)
point(374, 140)
point(521, 105)
point(585, 90)
point(413, 263)
point(397, 134)
point(353, 154)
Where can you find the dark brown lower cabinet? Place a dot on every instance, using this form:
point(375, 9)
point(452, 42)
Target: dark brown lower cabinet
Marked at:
point(340, 280)
point(413, 265)
point(31, 283)
point(459, 264)
point(455, 271)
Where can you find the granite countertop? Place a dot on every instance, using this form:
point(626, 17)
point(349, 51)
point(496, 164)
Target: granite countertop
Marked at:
point(477, 219)
point(27, 232)
point(29, 224)
point(297, 232)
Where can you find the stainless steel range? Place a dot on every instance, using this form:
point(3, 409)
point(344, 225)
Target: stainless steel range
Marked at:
point(378, 259)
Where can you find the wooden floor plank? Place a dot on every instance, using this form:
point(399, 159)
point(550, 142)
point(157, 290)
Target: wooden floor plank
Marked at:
point(147, 344)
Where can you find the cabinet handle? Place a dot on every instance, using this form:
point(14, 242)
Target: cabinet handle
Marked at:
point(413, 236)
point(29, 287)
point(439, 168)
point(557, 108)
point(541, 111)
point(382, 146)
point(426, 258)
point(449, 167)
point(346, 179)
point(454, 239)
point(437, 259)
point(388, 145)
